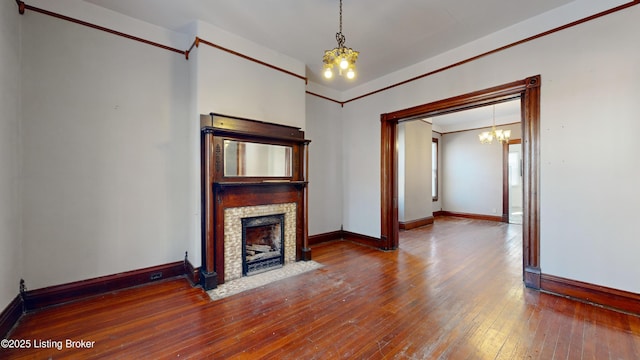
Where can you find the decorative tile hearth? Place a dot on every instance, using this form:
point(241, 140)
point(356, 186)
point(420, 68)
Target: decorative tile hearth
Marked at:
point(251, 282)
point(233, 234)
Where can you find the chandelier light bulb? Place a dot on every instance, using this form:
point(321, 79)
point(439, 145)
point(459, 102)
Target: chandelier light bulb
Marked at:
point(351, 74)
point(328, 73)
point(344, 64)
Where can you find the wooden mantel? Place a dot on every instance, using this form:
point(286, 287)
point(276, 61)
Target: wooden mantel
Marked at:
point(221, 191)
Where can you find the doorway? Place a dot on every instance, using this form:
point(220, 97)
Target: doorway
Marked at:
point(514, 182)
point(528, 92)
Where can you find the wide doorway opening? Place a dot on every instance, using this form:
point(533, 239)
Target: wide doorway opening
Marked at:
point(527, 91)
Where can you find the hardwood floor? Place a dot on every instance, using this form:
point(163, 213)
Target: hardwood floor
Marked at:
point(453, 290)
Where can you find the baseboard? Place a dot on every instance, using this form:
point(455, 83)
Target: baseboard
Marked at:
point(10, 316)
point(532, 277)
point(612, 298)
point(361, 239)
point(325, 237)
point(60, 294)
point(192, 273)
point(470, 216)
point(408, 225)
point(345, 235)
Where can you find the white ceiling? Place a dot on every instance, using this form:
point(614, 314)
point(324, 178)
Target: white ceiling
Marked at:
point(390, 34)
point(501, 113)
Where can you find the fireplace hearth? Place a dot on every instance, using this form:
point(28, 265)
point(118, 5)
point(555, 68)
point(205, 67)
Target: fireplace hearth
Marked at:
point(262, 243)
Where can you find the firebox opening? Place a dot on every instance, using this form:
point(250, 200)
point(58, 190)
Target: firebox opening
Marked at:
point(262, 243)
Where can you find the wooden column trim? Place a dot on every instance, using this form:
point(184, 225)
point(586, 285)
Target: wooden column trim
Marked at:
point(531, 182)
point(505, 182)
point(306, 251)
point(208, 195)
point(208, 275)
point(389, 232)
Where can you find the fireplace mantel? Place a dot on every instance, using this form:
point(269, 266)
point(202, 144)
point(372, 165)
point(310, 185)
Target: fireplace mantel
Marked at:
point(224, 190)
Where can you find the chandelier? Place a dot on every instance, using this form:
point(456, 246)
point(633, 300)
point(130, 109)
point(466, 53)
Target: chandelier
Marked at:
point(486, 137)
point(341, 57)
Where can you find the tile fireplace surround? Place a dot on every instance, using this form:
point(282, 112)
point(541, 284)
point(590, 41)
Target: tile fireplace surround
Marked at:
point(233, 234)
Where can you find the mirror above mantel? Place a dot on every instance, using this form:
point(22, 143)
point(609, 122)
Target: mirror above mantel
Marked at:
point(251, 151)
point(253, 159)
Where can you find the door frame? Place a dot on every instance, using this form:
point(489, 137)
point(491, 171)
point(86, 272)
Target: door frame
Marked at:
point(528, 91)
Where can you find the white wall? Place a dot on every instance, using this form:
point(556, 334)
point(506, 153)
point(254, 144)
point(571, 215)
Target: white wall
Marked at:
point(592, 94)
point(105, 138)
point(414, 171)
point(472, 175)
point(472, 172)
point(361, 165)
point(230, 85)
point(10, 237)
point(324, 129)
point(588, 127)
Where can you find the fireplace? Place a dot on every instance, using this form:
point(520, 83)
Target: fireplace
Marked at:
point(262, 243)
point(254, 197)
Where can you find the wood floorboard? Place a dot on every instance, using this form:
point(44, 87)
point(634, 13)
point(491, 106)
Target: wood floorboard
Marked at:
point(453, 290)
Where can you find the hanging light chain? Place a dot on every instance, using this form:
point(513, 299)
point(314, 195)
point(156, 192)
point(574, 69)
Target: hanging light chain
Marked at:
point(339, 36)
point(340, 16)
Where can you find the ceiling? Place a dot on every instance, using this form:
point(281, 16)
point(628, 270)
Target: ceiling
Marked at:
point(390, 35)
point(501, 113)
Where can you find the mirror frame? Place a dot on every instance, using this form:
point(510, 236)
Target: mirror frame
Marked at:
point(216, 128)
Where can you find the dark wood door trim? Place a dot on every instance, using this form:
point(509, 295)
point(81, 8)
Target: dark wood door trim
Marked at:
point(390, 228)
point(528, 91)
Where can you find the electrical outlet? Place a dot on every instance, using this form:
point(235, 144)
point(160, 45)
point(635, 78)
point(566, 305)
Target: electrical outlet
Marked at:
point(156, 275)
